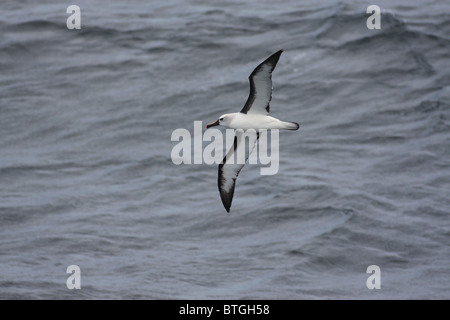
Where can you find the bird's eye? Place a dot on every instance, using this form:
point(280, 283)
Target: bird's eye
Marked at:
point(221, 119)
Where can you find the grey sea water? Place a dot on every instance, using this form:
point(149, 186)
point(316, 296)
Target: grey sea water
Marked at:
point(86, 176)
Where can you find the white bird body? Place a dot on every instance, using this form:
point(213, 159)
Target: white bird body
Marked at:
point(255, 121)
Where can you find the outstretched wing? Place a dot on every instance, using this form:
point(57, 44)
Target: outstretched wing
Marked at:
point(261, 86)
point(233, 162)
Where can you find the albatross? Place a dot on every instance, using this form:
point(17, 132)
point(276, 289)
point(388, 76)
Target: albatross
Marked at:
point(254, 115)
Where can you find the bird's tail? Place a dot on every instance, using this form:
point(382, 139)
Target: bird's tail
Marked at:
point(289, 125)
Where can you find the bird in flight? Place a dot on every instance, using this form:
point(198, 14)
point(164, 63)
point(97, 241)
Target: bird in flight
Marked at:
point(254, 115)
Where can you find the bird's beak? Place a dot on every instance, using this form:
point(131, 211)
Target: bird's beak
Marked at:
point(216, 123)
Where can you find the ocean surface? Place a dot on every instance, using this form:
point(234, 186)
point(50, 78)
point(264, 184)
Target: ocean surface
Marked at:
point(87, 179)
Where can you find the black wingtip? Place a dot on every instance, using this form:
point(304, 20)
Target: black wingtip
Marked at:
point(279, 52)
point(273, 59)
point(227, 206)
point(226, 200)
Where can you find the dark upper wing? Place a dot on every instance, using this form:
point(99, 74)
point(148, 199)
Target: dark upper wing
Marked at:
point(232, 164)
point(261, 86)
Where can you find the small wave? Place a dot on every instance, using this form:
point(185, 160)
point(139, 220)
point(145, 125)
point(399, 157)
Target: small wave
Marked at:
point(92, 67)
point(36, 25)
point(14, 49)
point(394, 29)
point(11, 215)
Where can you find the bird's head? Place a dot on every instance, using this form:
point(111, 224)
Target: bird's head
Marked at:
point(224, 120)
